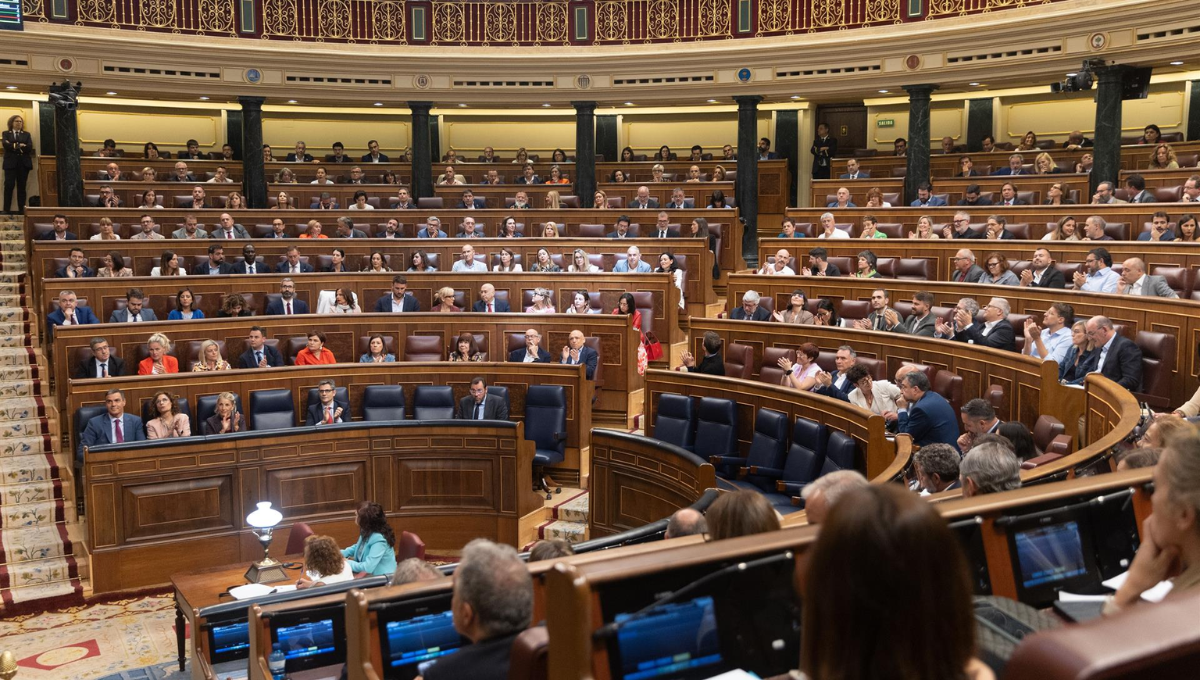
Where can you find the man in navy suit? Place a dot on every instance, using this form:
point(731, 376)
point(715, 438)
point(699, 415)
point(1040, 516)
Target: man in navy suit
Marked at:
point(76, 267)
point(1120, 359)
point(60, 232)
point(399, 300)
point(487, 301)
point(532, 353)
point(373, 155)
point(432, 229)
point(329, 410)
point(300, 155)
point(134, 311)
point(764, 150)
point(469, 202)
point(1016, 163)
point(68, 313)
point(292, 263)
point(643, 200)
point(996, 331)
point(925, 415)
point(287, 304)
point(750, 309)
point(216, 262)
point(925, 197)
point(258, 353)
point(102, 364)
point(853, 171)
point(836, 384)
point(479, 405)
point(250, 263)
point(113, 427)
point(575, 353)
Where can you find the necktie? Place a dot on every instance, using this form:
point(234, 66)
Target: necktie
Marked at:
point(288, 308)
point(137, 316)
point(250, 269)
point(228, 234)
point(258, 357)
point(117, 426)
point(104, 370)
point(490, 308)
point(329, 415)
point(70, 320)
point(478, 410)
point(295, 270)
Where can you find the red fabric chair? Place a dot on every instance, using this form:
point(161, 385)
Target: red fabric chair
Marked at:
point(410, 545)
point(295, 544)
point(739, 361)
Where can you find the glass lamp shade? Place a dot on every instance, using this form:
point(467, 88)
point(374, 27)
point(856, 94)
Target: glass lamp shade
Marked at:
point(264, 517)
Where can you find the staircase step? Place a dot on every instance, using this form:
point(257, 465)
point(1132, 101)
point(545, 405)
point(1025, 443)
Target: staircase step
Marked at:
point(13, 495)
point(33, 514)
point(571, 532)
point(574, 510)
point(35, 543)
point(38, 467)
point(14, 447)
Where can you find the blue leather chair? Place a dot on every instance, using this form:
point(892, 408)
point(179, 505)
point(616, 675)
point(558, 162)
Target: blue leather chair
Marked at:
point(82, 415)
point(546, 427)
point(805, 457)
point(272, 410)
point(767, 450)
point(840, 453)
point(433, 402)
point(206, 407)
point(383, 402)
point(339, 394)
point(716, 430)
point(149, 414)
point(675, 421)
point(502, 392)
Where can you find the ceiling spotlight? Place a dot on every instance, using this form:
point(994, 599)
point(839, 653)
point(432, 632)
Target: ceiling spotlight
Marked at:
point(10, 87)
point(291, 101)
point(628, 103)
point(462, 106)
point(795, 96)
point(712, 101)
point(204, 99)
point(973, 84)
point(1177, 63)
point(545, 106)
point(883, 92)
point(110, 93)
point(1072, 75)
point(378, 103)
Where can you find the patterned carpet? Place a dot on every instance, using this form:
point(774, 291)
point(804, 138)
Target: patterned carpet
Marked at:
point(95, 641)
point(38, 568)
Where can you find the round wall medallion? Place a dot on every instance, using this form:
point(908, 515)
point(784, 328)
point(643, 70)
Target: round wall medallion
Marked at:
point(744, 75)
point(583, 82)
point(252, 76)
point(422, 82)
point(912, 62)
point(65, 65)
point(1098, 41)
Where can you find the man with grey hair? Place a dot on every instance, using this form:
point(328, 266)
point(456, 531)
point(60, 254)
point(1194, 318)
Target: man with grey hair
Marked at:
point(965, 269)
point(936, 467)
point(978, 418)
point(685, 522)
point(989, 468)
point(328, 410)
point(1120, 358)
point(829, 228)
point(492, 604)
point(415, 569)
point(750, 309)
point(820, 495)
point(923, 414)
point(1093, 229)
point(345, 229)
point(996, 331)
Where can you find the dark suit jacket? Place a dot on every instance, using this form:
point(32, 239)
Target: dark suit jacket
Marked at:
point(914, 326)
point(49, 236)
point(710, 365)
point(930, 421)
point(192, 204)
point(1072, 374)
point(671, 233)
point(298, 307)
point(972, 276)
point(968, 234)
point(636, 205)
point(366, 158)
point(1015, 201)
point(98, 430)
point(282, 268)
point(862, 174)
point(500, 306)
point(1143, 196)
point(831, 269)
point(14, 159)
point(87, 369)
point(494, 408)
point(259, 268)
point(760, 314)
point(518, 355)
point(384, 304)
point(484, 660)
point(88, 272)
point(587, 357)
point(477, 203)
point(1123, 364)
point(173, 178)
point(1168, 236)
point(1051, 278)
point(1008, 171)
point(981, 201)
point(424, 233)
point(83, 315)
point(842, 393)
point(202, 269)
point(315, 414)
point(972, 173)
point(1001, 337)
point(272, 355)
point(291, 158)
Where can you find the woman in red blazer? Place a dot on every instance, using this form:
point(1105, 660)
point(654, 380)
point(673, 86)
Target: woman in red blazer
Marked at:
point(315, 354)
point(159, 361)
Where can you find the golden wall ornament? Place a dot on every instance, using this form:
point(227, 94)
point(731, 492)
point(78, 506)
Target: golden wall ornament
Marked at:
point(662, 19)
point(334, 18)
point(279, 18)
point(216, 16)
point(713, 18)
point(448, 23)
point(611, 21)
point(500, 22)
point(157, 13)
point(97, 11)
point(552, 22)
point(387, 21)
point(33, 9)
point(945, 7)
point(828, 13)
point(774, 15)
point(883, 10)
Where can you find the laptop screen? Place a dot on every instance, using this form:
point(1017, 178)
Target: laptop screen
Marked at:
point(414, 633)
point(306, 639)
point(229, 641)
point(311, 638)
point(675, 640)
point(1050, 554)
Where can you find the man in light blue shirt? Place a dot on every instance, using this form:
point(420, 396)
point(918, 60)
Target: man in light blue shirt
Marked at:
point(1100, 277)
point(468, 263)
point(1053, 341)
point(632, 262)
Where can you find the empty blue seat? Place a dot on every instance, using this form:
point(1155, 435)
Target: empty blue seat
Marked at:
point(546, 427)
point(805, 457)
point(716, 428)
point(272, 410)
point(433, 402)
point(767, 450)
point(841, 453)
point(675, 421)
point(383, 402)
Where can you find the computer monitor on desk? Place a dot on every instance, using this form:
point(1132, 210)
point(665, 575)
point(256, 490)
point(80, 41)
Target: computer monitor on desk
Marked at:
point(311, 638)
point(1052, 552)
point(228, 641)
point(415, 633)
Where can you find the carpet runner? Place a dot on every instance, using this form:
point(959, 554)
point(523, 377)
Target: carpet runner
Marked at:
point(568, 517)
point(38, 565)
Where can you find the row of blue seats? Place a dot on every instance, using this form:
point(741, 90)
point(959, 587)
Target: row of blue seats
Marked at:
point(772, 466)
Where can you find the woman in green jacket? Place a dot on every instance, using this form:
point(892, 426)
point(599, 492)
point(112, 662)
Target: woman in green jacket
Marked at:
point(374, 553)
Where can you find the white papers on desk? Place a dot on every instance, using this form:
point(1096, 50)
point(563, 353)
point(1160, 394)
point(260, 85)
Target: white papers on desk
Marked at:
point(738, 674)
point(1155, 594)
point(252, 590)
point(1064, 596)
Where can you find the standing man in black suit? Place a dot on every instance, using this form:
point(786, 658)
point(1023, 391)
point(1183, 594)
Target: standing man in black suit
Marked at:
point(532, 353)
point(258, 353)
point(824, 148)
point(1120, 359)
point(329, 410)
point(487, 302)
point(575, 353)
point(480, 405)
point(102, 364)
point(373, 154)
point(1042, 273)
point(18, 162)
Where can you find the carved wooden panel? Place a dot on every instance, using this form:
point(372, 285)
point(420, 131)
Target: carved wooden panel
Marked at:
point(168, 508)
point(317, 489)
point(468, 481)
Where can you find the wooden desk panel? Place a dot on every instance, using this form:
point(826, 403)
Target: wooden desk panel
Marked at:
point(955, 187)
point(774, 179)
point(1039, 218)
point(618, 347)
point(155, 511)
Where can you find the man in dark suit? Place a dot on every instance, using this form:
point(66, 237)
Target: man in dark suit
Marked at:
point(643, 200)
point(292, 264)
point(712, 364)
point(60, 232)
point(996, 331)
point(193, 151)
point(495, 572)
point(1042, 273)
point(469, 202)
point(1008, 195)
point(922, 321)
point(181, 174)
point(662, 227)
point(250, 263)
point(373, 154)
point(678, 200)
point(532, 353)
point(18, 163)
point(750, 309)
point(1160, 229)
point(345, 229)
point(819, 264)
point(924, 414)
point(432, 229)
point(288, 303)
point(936, 467)
point(853, 171)
point(487, 302)
point(102, 363)
point(113, 427)
point(70, 312)
point(338, 155)
point(764, 150)
point(1016, 166)
point(575, 353)
point(997, 229)
point(198, 199)
point(229, 230)
point(404, 200)
point(1120, 358)
point(76, 266)
point(258, 353)
point(836, 384)
point(399, 300)
point(480, 405)
point(960, 227)
point(300, 155)
point(135, 310)
point(329, 410)
point(216, 262)
point(965, 269)
point(971, 197)
point(621, 229)
point(966, 167)
point(1136, 186)
point(990, 467)
point(824, 148)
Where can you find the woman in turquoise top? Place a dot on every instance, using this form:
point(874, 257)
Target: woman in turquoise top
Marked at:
point(374, 553)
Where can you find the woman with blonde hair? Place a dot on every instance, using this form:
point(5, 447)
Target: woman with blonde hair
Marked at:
point(553, 200)
point(210, 358)
point(543, 302)
point(1044, 165)
point(159, 362)
point(657, 172)
point(107, 231)
point(522, 156)
point(226, 418)
point(443, 300)
point(234, 201)
point(719, 173)
point(1065, 230)
point(313, 230)
point(1081, 359)
point(580, 262)
point(285, 176)
point(599, 199)
point(323, 563)
point(1164, 158)
point(543, 263)
point(550, 230)
point(924, 229)
point(1056, 194)
point(1029, 142)
point(556, 176)
point(168, 422)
